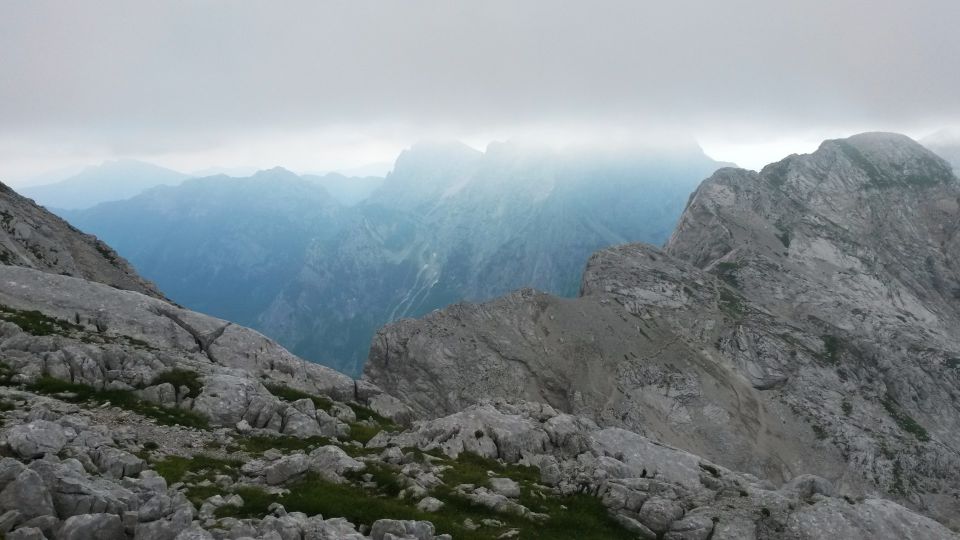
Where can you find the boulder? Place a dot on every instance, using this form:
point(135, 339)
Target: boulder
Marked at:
point(76, 493)
point(692, 527)
point(317, 528)
point(9, 519)
point(297, 423)
point(25, 533)
point(117, 463)
point(332, 462)
point(194, 533)
point(36, 438)
point(9, 469)
point(88, 526)
point(429, 504)
point(658, 513)
point(420, 530)
point(28, 495)
point(505, 487)
point(286, 469)
point(391, 408)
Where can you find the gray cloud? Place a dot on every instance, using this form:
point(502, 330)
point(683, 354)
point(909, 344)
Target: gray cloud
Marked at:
point(165, 75)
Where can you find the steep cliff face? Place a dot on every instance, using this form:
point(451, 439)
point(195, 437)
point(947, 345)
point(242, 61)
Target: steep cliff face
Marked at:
point(800, 319)
point(32, 237)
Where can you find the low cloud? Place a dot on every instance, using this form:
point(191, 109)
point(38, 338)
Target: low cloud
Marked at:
point(191, 77)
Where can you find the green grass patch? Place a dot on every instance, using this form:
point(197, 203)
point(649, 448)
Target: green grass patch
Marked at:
point(180, 377)
point(897, 486)
point(386, 478)
point(175, 468)
point(470, 468)
point(291, 394)
point(125, 399)
point(831, 349)
point(37, 324)
point(903, 420)
point(258, 444)
point(255, 504)
point(195, 469)
point(846, 406)
point(784, 238)
point(573, 517)
point(366, 413)
point(732, 303)
point(362, 433)
point(106, 252)
point(727, 271)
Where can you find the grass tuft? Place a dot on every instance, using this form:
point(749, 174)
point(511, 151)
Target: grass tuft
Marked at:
point(286, 393)
point(904, 420)
point(125, 399)
point(180, 377)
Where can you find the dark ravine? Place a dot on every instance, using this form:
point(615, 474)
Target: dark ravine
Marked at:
point(799, 320)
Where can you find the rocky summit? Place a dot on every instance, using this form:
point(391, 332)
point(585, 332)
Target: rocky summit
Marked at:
point(785, 368)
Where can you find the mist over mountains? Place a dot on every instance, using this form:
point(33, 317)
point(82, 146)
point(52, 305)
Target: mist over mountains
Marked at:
point(110, 181)
point(321, 273)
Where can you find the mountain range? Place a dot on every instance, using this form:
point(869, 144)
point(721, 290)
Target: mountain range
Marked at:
point(320, 273)
point(785, 367)
point(110, 181)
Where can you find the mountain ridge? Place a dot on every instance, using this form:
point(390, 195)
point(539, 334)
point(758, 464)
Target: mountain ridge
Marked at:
point(109, 181)
point(449, 223)
point(785, 307)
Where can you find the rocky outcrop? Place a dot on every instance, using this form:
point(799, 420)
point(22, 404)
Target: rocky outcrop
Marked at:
point(85, 486)
point(800, 320)
point(32, 237)
point(655, 490)
point(98, 335)
point(94, 335)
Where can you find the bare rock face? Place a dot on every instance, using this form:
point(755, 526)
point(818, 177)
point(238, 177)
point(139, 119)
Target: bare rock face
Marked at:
point(800, 320)
point(32, 237)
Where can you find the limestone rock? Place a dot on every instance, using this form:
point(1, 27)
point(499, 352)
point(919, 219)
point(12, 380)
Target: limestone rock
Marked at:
point(429, 504)
point(26, 533)
point(332, 462)
point(86, 526)
point(505, 486)
point(28, 495)
point(420, 530)
point(658, 513)
point(36, 438)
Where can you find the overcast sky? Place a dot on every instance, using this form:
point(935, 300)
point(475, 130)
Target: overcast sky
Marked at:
point(320, 85)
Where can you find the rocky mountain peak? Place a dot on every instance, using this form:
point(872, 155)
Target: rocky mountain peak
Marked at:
point(799, 319)
point(862, 162)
